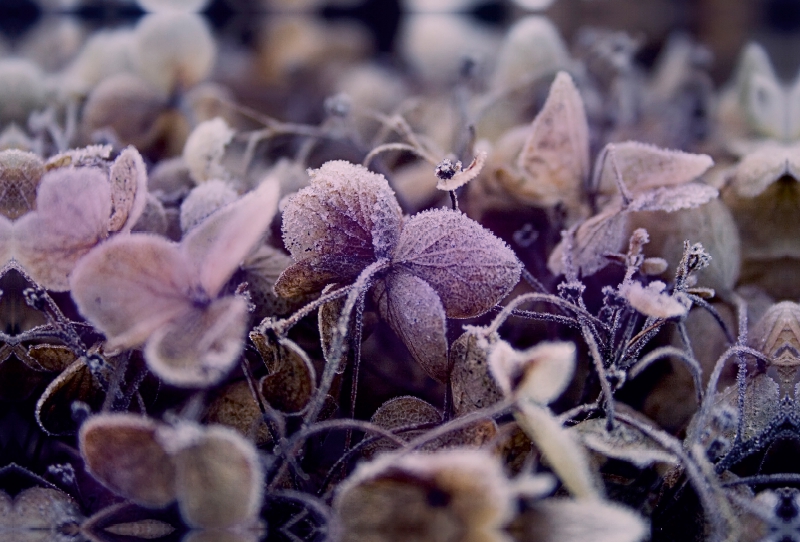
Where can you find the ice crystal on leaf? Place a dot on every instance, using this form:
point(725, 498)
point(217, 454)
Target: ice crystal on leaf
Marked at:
point(142, 289)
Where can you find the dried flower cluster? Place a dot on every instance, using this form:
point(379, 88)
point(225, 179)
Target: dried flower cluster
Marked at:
point(539, 294)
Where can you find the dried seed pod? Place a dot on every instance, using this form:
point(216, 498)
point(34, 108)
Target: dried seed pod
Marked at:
point(219, 479)
point(469, 268)
point(124, 453)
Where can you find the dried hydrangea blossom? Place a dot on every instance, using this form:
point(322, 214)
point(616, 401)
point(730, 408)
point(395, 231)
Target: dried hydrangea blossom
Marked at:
point(438, 263)
point(213, 472)
point(444, 496)
point(145, 290)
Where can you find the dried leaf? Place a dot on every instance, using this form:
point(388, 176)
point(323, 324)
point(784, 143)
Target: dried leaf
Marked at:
point(531, 49)
point(128, 177)
point(645, 167)
point(554, 161)
point(328, 321)
point(204, 200)
point(54, 407)
point(473, 387)
point(346, 219)
point(673, 198)
point(602, 234)
point(205, 148)
point(123, 453)
point(761, 95)
point(413, 310)
point(401, 412)
point(539, 374)
point(292, 380)
point(20, 173)
point(44, 509)
point(219, 480)
point(52, 357)
point(758, 169)
point(622, 442)
point(469, 268)
point(563, 452)
point(563, 520)
point(777, 333)
point(236, 407)
point(651, 301)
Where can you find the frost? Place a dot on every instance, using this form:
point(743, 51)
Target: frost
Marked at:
point(650, 300)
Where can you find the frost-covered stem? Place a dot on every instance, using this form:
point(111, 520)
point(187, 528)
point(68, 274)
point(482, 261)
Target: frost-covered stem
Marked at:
point(117, 378)
point(741, 373)
point(280, 327)
point(546, 298)
point(667, 351)
point(356, 341)
point(711, 387)
point(359, 287)
point(703, 304)
point(597, 359)
point(533, 282)
point(386, 147)
point(267, 412)
point(572, 413)
point(453, 199)
point(702, 485)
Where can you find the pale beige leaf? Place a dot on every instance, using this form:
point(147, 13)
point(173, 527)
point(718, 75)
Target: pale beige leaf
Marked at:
point(761, 95)
point(217, 246)
point(563, 452)
point(413, 310)
point(473, 386)
point(122, 453)
point(128, 178)
point(563, 520)
point(758, 169)
point(644, 167)
point(198, 348)
point(602, 234)
point(674, 198)
point(531, 49)
point(219, 480)
point(43, 509)
point(133, 285)
point(236, 407)
point(777, 333)
point(554, 161)
point(469, 268)
point(540, 373)
point(71, 217)
point(401, 412)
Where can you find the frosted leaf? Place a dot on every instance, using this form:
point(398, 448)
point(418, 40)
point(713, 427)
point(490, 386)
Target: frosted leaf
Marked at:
point(346, 219)
point(200, 347)
point(531, 49)
point(401, 412)
point(413, 310)
point(128, 178)
point(453, 177)
point(219, 480)
point(777, 333)
point(261, 271)
point(554, 162)
point(53, 409)
point(651, 301)
point(644, 167)
point(538, 374)
point(51, 357)
point(563, 520)
point(473, 386)
point(623, 442)
point(20, 173)
point(348, 197)
point(448, 495)
point(758, 169)
point(204, 200)
point(89, 156)
point(173, 50)
point(673, 198)
point(121, 451)
point(205, 148)
point(563, 452)
point(469, 268)
point(71, 217)
point(235, 407)
point(292, 380)
point(602, 234)
point(42, 511)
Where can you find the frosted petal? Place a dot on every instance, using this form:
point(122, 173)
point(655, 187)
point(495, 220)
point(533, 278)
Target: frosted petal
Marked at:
point(128, 177)
point(469, 268)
